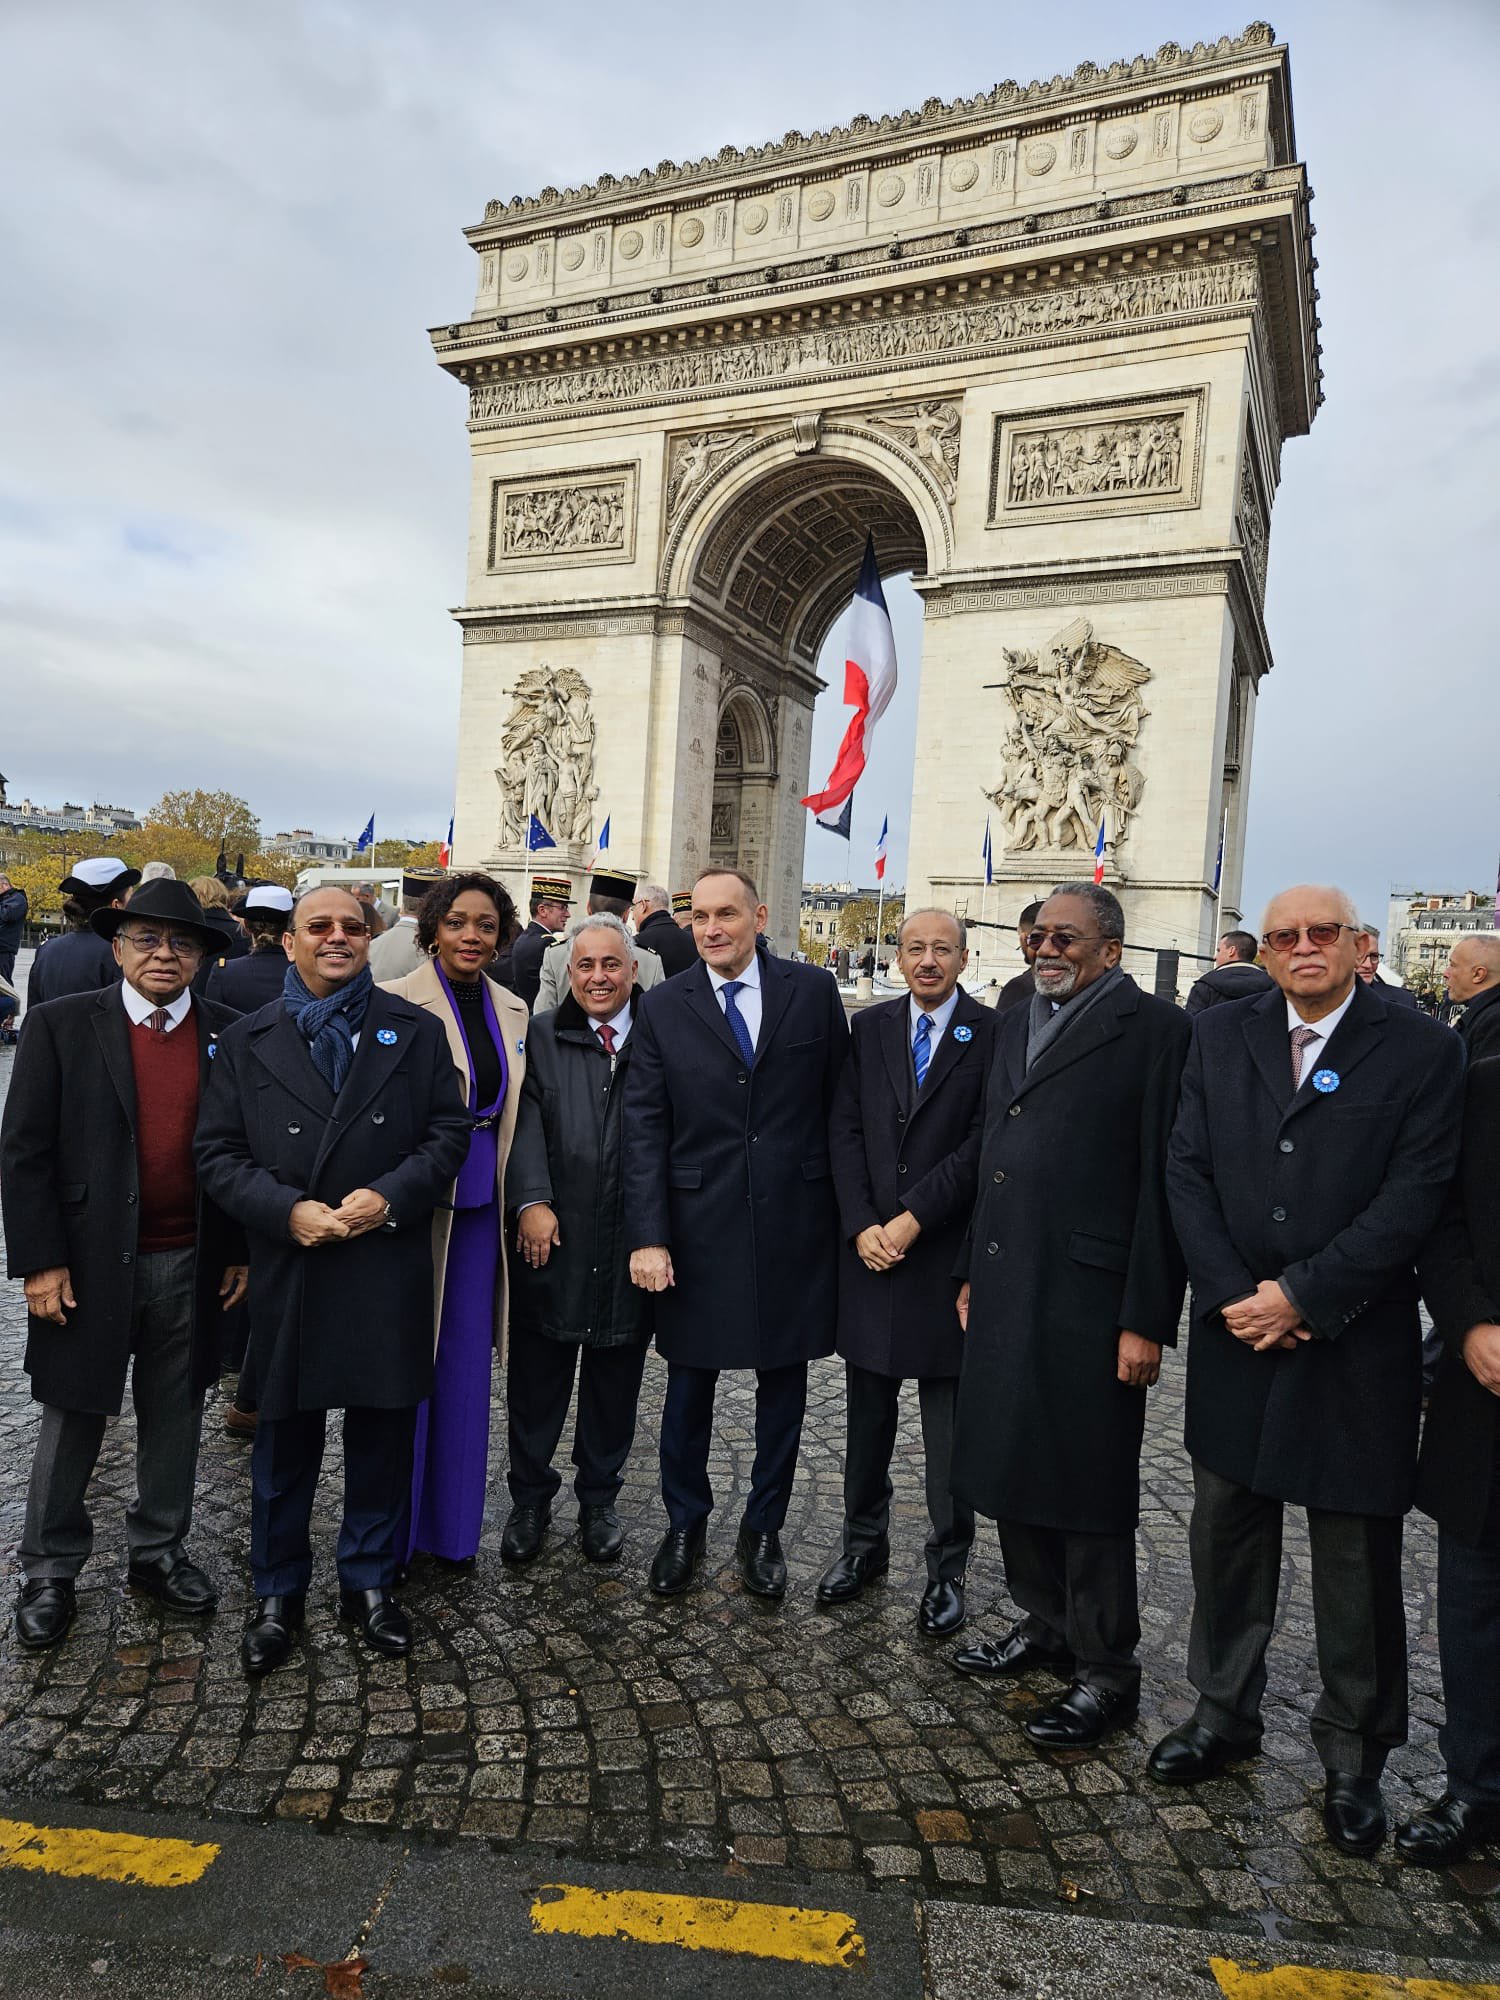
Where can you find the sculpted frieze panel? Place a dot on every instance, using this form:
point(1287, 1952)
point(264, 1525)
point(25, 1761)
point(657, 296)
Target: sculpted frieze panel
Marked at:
point(692, 460)
point(975, 325)
point(929, 431)
point(1068, 752)
point(547, 759)
point(1133, 456)
point(577, 518)
point(1254, 531)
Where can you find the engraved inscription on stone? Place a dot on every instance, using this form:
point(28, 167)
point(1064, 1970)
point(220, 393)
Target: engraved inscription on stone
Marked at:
point(577, 519)
point(1068, 763)
point(1115, 458)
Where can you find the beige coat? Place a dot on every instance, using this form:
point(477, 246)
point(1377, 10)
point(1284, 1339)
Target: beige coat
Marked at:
point(424, 989)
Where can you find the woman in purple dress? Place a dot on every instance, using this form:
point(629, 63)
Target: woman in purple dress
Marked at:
point(460, 926)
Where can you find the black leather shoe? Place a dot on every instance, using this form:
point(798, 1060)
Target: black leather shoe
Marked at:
point(1190, 1753)
point(267, 1640)
point(1443, 1833)
point(175, 1582)
point(762, 1569)
point(847, 1576)
point(1014, 1654)
point(1353, 1813)
point(943, 1609)
point(1082, 1717)
point(676, 1559)
point(525, 1532)
point(45, 1609)
point(382, 1623)
point(601, 1534)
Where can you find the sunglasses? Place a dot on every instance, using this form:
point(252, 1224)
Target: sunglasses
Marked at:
point(1064, 940)
point(352, 927)
point(1285, 938)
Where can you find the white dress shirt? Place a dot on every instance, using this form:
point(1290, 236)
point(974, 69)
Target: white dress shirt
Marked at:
point(1312, 1054)
point(939, 1018)
point(140, 1009)
point(747, 999)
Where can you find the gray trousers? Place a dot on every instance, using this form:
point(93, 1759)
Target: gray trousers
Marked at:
point(873, 1402)
point(58, 1535)
point(1358, 1617)
point(1079, 1596)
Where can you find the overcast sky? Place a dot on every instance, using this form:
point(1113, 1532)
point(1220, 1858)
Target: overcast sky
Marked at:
point(233, 484)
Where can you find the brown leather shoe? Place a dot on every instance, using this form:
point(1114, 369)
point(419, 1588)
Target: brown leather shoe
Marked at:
point(239, 1423)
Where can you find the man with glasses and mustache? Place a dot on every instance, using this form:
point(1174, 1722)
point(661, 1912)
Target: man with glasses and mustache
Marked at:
point(1072, 1285)
point(126, 1266)
point(1317, 1134)
point(333, 1127)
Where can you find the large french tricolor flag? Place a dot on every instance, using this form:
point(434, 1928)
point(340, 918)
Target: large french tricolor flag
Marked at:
point(869, 682)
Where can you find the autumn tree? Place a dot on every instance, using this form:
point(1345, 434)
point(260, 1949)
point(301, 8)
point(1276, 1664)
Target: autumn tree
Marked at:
point(857, 919)
point(220, 819)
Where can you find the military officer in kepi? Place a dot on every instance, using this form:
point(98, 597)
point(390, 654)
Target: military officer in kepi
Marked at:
point(551, 905)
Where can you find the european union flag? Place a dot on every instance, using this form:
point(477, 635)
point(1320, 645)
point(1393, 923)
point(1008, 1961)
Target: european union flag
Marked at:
point(367, 838)
point(538, 836)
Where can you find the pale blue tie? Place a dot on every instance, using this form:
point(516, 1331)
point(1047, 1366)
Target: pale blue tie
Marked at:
point(921, 1048)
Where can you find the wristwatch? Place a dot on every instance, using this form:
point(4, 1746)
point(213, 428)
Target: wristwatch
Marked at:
point(388, 1220)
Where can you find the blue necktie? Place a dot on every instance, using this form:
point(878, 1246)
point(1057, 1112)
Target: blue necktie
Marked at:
point(737, 1020)
point(921, 1048)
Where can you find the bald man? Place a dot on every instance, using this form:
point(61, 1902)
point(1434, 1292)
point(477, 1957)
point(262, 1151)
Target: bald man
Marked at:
point(1315, 1140)
point(1472, 977)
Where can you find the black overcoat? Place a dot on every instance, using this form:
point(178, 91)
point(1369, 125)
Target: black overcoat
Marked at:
point(71, 962)
point(728, 1166)
point(674, 946)
point(1479, 1024)
point(250, 982)
point(569, 1151)
point(72, 1195)
point(893, 1147)
point(1458, 1478)
point(346, 1323)
point(1070, 1245)
point(524, 968)
point(1336, 1191)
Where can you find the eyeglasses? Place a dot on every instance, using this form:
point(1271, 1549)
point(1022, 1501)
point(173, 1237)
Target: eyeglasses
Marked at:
point(352, 927)
point(1064, 940)
point(179, 943)
point(1285, 938)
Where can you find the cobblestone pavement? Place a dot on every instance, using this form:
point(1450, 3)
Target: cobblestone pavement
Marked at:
point(565, 1709)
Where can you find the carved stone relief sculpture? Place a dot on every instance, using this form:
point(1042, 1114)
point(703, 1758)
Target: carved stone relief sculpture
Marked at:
point(1068, 753)
point(929, 431)
point(547, 759)
point(1126, 457)
point(580, 517)
point(1254, 535)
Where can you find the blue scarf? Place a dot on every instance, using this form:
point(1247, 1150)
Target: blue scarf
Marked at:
point(328, 1026)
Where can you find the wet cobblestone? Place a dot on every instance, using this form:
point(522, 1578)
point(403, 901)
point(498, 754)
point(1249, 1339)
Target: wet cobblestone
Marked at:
point(564, 1708)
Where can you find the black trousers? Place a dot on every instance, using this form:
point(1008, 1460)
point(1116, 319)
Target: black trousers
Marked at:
point(1469, 1650)
point(285, 1461)
point(539, 1387)
point(687, 1423)
point(1079, 1596)
point(873, 1403)
point(1358, 1616)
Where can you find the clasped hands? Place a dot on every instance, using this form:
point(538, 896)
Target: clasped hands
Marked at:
point(1266, 1320)
point(883, 1245)
point(314, 1222)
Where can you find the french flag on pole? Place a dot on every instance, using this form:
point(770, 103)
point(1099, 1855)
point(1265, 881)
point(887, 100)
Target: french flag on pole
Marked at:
point(1099, 855)
point(869, 682)
point(445, 849)
point(885, 827)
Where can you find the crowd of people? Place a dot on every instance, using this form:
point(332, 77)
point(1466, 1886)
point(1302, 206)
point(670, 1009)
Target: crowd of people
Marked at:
point(389, 1158)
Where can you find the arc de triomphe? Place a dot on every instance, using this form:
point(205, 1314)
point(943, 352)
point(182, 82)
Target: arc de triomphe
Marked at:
point(1045, 343)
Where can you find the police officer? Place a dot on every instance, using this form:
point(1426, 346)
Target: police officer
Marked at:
point(253, 981)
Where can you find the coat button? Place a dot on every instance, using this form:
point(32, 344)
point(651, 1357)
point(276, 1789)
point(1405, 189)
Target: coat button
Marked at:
point(377, 1117)
point(1286, 1146)
point(294, 1130)
point(1278, 1215)
point(999, 1177)
point(901, 1166)
point(1015, 1111)
point(992, 1249)
point(131, 1199)
point(124, 1256)
point(900, 1117)
point(742, 1076)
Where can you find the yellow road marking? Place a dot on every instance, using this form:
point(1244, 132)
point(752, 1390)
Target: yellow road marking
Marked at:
point(1306, 1982)
point(699, 1923)
point(79, 1851)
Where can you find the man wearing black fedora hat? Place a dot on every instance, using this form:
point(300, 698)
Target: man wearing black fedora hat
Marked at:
point(126, 1266)
point(609, 896)
point(77, 960)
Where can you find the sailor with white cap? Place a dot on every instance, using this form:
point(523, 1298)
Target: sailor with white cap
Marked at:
point(76, 960)
point(254, 981)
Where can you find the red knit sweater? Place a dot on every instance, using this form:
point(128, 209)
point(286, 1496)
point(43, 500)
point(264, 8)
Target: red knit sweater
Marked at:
point(166, 1098)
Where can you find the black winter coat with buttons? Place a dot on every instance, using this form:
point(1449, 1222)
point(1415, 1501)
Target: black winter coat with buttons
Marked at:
point(1333, 1188)
point(72, 1195)
point(1070, 1245)
point(347, 1323)
point(569, 1152)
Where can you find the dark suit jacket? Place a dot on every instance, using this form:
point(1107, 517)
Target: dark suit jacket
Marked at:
point(1479, 1024)
point(249, 983)
point(71, 962)
point(1336, 1192)
point(1458, 1481)
point(346, 1323)
point(674, 946)
point(1240, 981)
point(525, 965)
point(1070, 1245)
point(728, 1166)
point(1016, 992)
point(72, 1195)
point(894, 1147)
point(1395, 996)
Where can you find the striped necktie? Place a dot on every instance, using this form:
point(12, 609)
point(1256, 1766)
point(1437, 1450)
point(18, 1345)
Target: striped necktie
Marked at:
point(1299, 1038)
point(156, 1021)
point(921, 1048)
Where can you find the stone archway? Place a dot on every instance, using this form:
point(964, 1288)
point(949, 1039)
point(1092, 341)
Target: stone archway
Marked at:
point(1047, 343)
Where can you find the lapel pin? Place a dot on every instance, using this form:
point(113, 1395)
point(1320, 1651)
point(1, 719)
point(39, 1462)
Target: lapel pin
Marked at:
point(386, 1035)
point(1326, 1080)
point(213, 1050)
point(521, 1046)
point(963, 1034)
